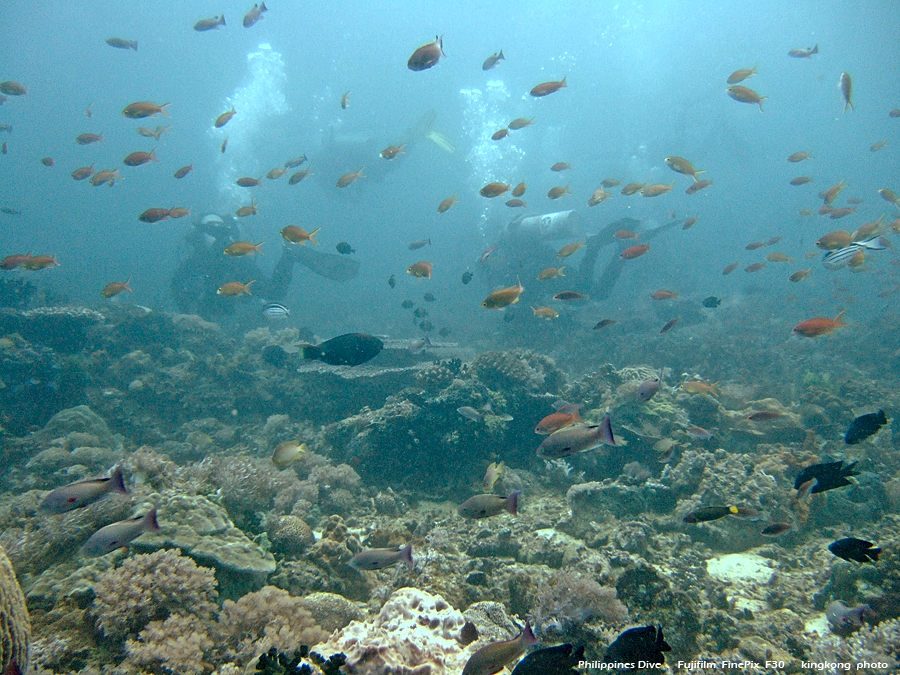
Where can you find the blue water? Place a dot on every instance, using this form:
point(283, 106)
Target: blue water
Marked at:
point(646, 80)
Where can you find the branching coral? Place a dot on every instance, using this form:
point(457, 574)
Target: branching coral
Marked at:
point(177, 645)
point(152, 587)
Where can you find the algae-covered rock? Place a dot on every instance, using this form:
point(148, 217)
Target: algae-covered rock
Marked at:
point(331, 611)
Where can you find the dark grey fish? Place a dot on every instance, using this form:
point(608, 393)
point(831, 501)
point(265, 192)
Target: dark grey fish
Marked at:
point(851, 548)
point(493, 60)
point(828, 476)
point(392, 281)
point(492, 658)
point(466, 277)
point(108, 539)
point(864, 426)
point(639, 644)
point(295, 162)
point(379, 558)
point(712, 302)
point(344, 248)
point(254, 14)
point(558, 660)
point(119, 43)
point(75, 495)
point(577, 438)
point(845, 620)
point(485, 506)
point(648, 388)
point(351, 349)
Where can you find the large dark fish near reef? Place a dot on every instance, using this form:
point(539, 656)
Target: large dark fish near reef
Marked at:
point(639, 644)
point(558, 660)
point(864, 426)
point(574, 439)
point(84, 492)
point(828, 476)
point(851, 548)
point(108, 539)
point(351, 349)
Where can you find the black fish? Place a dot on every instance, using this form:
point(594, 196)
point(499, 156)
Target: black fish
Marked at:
point(392, 281)
point(864, 426)
point(344, 248)
point(466, 277)
point(638, 644)
point(407, 304)
point(855, 549)
point(712, 301)
point(558, 660)
point(351, 349)
point(828, 476)
point(276, 356)
point(709, 513)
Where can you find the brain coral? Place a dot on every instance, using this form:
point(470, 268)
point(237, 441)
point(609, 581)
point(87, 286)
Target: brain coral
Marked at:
point(15, 626)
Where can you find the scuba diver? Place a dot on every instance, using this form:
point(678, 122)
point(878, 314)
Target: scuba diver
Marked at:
point(196, 280)
point(526, 241)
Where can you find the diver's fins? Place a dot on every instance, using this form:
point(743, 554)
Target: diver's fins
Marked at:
point(328, 265)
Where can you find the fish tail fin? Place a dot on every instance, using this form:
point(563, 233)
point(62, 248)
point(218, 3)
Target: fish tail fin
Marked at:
point(562, 82)
point(150, 522)
point(528, 634)
point(440, 41)
point(153, 155)
point(256, 247)
point(222, 20)
point(559, 271)
point(512, 502)
point(262, 7)
point(606, 432)
point(501, 56)
point(117, 482)
point(576, 417)
point(839, 320)
point(406, 556)
point(696, 171)
point(761, 99)
point(246, 288)
point(310, 352)
point(714, 389)
point(163, 107)
point(312, 236)
point(814, 50)
point(127, 287)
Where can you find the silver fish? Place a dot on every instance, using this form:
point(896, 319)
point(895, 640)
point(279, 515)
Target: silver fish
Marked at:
point(108, 539)
point(835, 260)
point(470, 413)
point(275, 312)
point(577, 438)
point(379, 558)
point(84, 492)
point(485, 506)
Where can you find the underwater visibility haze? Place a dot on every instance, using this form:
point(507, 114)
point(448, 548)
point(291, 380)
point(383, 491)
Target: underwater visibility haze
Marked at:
point(449, 337)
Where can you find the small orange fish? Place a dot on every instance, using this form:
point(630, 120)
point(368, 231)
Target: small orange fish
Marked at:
point(699, 387)
point(39, 262)
point(569, 249)
point(504, 297)
point(689, 223)
point(753, 245)
point(348, 178)
point(392, 151)
point(841, 213)
point(834, 240)
point(831, 193)
point(420, 270)
point(115, 287)
point(516, 204)
point(551, 273)
point(519, 190)
point(13, 261)
point(500, 134)
point(559, 420)
point(610, 182)
point(888, 195)
point(632, 188)
point(233, 288)
point(800, 275)
point(779, 257)
point(184, 171)
point(545, 313)
point(300, 175)
point(12, 89)
point(600, 195)
point(557, 192)
point(744, 95)
point(153, 215)
point(106, 176)
point(799, 156)
point(254, 15)
point(730, 268)
point(633, 252)
point(561, 166)
point(771, 241)
point(209, 24)
point(696, 187)
point(741, 74)
point(492, 190)
point(820, 325)
point(682, 166)
point(83, 172)
point(239, 248)
point(245, 211)
point(224, 118)
point(656, 190)
point(664, 295)
point(846, 85)
point(604, 323)
point(803, 53)
point(755, 267)
point(246, 181)
point(878, 146)
point(139, 158)
point(445, 204)
point(276, 173)
point(801, 180)
point(520, 123)
point(625, 234)
point(143, 109)
point(547, 88)
point(297, 235)
point(87, 139)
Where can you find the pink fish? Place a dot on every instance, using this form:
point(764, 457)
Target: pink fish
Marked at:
point(699, 433)
point(108, 539)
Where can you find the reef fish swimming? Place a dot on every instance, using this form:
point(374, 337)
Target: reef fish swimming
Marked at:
point(851, 548)
point(558, 660)
point(351, 349)
point(379, 558)
point(574, 439)
point(645, 644)
point(108, 539)
point(84, 492)
point(864, 426)
point(828, 476)
point(485, 506)
point(492, 658)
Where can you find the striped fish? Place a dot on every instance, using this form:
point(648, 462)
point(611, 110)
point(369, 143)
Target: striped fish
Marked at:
point(275, 312)
point(835, 260)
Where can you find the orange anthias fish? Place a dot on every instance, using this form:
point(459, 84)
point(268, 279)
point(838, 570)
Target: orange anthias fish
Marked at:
point(634, 251)
point(504, 297)
point(233, 288)
point(664, 295)
point(142, 109)
point(184, 171)
point(820, 325)
point(245, 211)
point(445, 204)
point(547, 88)
point(38, 262)
point(138, 158)
point(551, 273)
point(569, 249)
point(154, 215)
point(392, 151)
point(348, 178)
point(545, 313)
point(846, 85)
point(243, 248)
point(297, 235)
point(834, 240)
point(558, 420)
point(557, 192)
point(699, 387)
point(420, 270)
point(656, 190)
point(224, 118)
point(492, 190)
point(744, 95)
point(427, 56)
point(115, 287)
